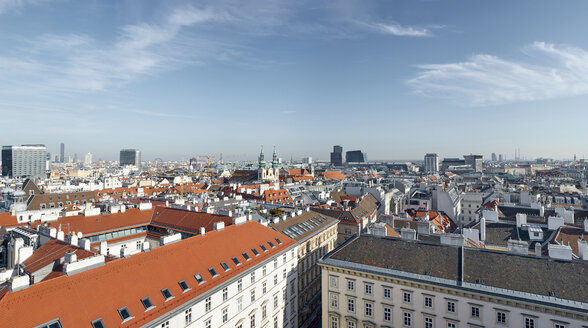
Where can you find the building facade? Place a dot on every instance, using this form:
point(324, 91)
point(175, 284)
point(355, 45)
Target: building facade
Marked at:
point(26, 161)
point(130, 157)
point(355, 156)
point(384, 282)
point(475, 161)
point(431, 163)
point(337, 156)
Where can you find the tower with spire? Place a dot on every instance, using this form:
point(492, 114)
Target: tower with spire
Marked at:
point(266, 172)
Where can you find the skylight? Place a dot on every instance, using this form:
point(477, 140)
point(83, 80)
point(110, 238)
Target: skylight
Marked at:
point(279, 241)
point(271, 244)
point(225, 266)
point(212, 272)
point(146, 303)
point(95, 324)
point(56, 324)
point(124, 313)
point(183, 285)
point(247, 258)
point(236, 261)
point(199, 278)
point(255, 252)
point(166, 294)
point(263, 248)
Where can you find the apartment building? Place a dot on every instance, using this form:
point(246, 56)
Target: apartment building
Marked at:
point(385, 282)
point(242, 276)
point(316, 235)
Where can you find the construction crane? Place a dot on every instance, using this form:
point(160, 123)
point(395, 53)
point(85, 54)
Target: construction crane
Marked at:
point(208, 157)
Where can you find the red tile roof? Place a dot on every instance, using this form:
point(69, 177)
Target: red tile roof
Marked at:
point(7, 220)
point(166, 217)
point(98, 293)
point(50, 251)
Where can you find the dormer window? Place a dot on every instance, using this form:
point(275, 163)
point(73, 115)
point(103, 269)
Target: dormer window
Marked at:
point(263, 248)
point(146, 303)
point(255, 252)
point(212, 272)
point(199, 278)
point(236, 261)
point(166, 294)
point(246, 256)
point(225, 266)
point(271, 244)
point(183, 285)
point(124, 314)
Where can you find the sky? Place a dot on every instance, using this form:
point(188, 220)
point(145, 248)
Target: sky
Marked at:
point(396, 79)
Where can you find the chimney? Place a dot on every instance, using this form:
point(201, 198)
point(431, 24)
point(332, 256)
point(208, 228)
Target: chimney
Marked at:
point(219, 226)
point(408, 234)
point(560, 252)
point(483, 229)
point(85, 244)
point(145, 246)
point(124, 252)
point(60, 235)
point(103, 248)
point(582, 249)
point(53, 233)
point(19, 282)
point(72, 239)
point(521, 219)
point(585, 225)
point(239, 220)
point(538, 249)
point(202, 231)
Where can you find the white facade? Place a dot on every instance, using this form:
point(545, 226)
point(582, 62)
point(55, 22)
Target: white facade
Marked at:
point(263, 296)
point(431, 163)
point(470, 203)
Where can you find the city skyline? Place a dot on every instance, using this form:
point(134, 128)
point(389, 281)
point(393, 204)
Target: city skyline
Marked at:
point(393, 80)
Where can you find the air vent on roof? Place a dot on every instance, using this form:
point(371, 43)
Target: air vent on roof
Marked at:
point(124, 313)
point(255, 252)
point(225, 266)
point(212, 272)
point(246, 256)
point(199, 278)
point(236, 261)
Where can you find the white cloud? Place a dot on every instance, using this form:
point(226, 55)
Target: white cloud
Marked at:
point(7, 5)
point(399, 30)
point(488, 80)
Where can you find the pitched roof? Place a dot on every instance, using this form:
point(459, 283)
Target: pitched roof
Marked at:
point(186, 220)
point(334, 175)
point(8, 220)
point(50, 251)
point(125, 281)
point(312, 221)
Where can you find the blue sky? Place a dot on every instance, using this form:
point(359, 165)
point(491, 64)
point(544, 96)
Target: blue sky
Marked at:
point(396, 79)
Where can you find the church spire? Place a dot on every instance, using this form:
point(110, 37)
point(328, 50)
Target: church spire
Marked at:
point(275, 158)
point(261, 158)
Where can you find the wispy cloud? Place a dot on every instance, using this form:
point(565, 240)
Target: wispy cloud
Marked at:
point(7, 5)
point(488, 80)
point(399, 30)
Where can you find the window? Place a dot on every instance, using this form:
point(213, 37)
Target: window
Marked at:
point(146, 303)
point(450, 325)
point(165, 324)
point(264, 271)
point(263, 248)
point(369, 309)
point(428, 322)
point(387, 292)
point(208, 304)
point(263, 312)
point(284, 274)
point(166, 294)
point(275, 301)
point(188, 316)
point(368, 289)
point(199, 278)
point(333, 281)
point(246, 257)
point(559, 325)
point(275, 263)
point(212, 272)
point(350, 285)
point(97, 324)
point(501, 317)
point(334, 322)
point(252, 320)
point(225, 315)
point(124, 313)
point(407, 319)
point(351, 305)
point(183, 285)
point(350, 324)
point(387, 314)
point(139, 244)
point(225, 294)
point(275, 279)
point(264, 287)
point(252, 295)
point(240, 304)
point(334, 301)
point(55, 323)
point(407, 297)
point(428, 302)
point(239, 285)
point(255, 252)
point(475, 312)
point(236, 261)
point(253, 277)
point(450, 307)
point(529, 323)
point(225, 266)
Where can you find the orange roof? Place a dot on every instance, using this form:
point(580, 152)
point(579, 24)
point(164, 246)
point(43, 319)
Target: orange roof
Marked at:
point(302, 178)
point(297, 172)
point(50, 251)
point(123, 282)
point(186, 220)
point(334, 175)
point(390, 232)
point(89, 225)
point(7, 220)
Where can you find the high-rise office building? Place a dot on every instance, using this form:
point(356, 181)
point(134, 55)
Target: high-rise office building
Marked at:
point(26, 161)
point(475, 161)
point(494, 157)
point(501, 157)
point(62, 153)
point(337, 156)
point(431, 163)
point(88, 159)
point(130, 157)
point(355, 156)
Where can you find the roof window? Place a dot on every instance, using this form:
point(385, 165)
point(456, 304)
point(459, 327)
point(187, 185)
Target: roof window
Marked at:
point(255, 252)
point(263, 248)
point(279, 241)
point(146, 303)
point(96, 323)
point(236, 261)
point(166, 294)
point(271, 244)
point(124, 314)
point(199, 278)
point(212, 272)
point(246, 256)
point(183, 285)
point(225, 266)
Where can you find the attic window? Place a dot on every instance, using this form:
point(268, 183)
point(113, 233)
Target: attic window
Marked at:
point(236, 261)
point(199, 278)
point(279, 241)
point(247, 258)
point(95, 324)
point(263, 247)
point(212, 272)
point(183, 285)
point(255, 252)
point(552, 294)
point(52, 324)
point(146, 303)
point(166, 294)
point(225, 266)
point(124, 314)
point(271, 244)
